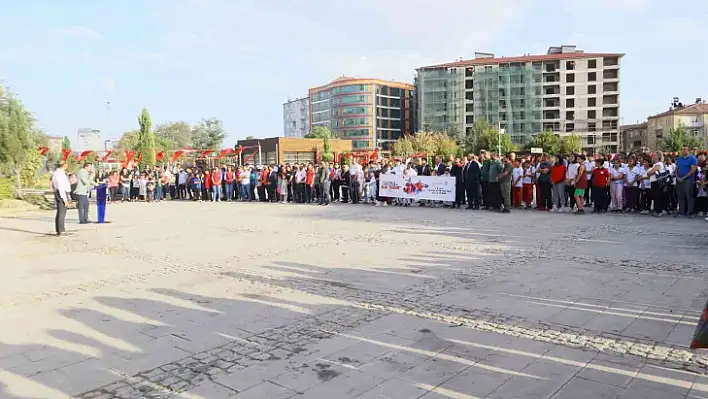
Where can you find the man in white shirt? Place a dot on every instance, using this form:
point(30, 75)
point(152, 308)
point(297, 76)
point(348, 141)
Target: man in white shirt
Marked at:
point(61, 187)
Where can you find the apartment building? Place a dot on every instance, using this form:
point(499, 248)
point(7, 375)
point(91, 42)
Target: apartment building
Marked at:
point(372, 113)
point(635, 138)
point(296, 117)
point(565, 90)
point(694, 118)
point(88, 139)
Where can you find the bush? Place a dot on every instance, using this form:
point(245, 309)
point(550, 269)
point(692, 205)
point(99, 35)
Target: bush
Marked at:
point(328, 157)
point(7, 189)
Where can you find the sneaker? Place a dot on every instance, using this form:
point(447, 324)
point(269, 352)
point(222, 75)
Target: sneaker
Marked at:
point(566, 209)
point(505, 211)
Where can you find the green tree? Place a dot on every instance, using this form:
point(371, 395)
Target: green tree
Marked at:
point(431, 143)
point(208, 134)
point(129, 141)
point(250, 137)
point(571, 144)
point(65, 143)
point(319, 132)
point(146, 138)
point(549, 142)
point(16, 141)
point(678, 138)
point(403, 147)
point(484, 136)
point(171, 136)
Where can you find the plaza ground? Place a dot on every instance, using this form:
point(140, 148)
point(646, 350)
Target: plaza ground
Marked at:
point(231, 300)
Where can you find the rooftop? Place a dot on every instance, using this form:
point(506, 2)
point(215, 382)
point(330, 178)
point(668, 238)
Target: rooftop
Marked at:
point(565, 52)
point(687, 110)
point(344, 80)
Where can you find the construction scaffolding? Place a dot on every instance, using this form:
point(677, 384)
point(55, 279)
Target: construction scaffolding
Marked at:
point(441, 97)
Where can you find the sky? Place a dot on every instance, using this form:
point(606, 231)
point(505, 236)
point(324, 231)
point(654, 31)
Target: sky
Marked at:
point(87, 63)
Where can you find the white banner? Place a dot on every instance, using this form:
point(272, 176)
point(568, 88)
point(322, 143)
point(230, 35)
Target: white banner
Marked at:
point(435, 188)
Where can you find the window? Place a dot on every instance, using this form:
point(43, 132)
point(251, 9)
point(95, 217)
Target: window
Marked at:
point(592, 114)
point(351, 99)
point(350, 89)
point(570, 78)
point(592, 63)
point(694, 132)
point(592, 89)
point(570, 65)
point(592, 102)
point(360, 143)
point(592, 127)
point(591, 139)
point(569, 115)
point(569, 127)
point(355, 133)
point(659, 133)
point(570, 90)
point(570, 103)
point(592, 76)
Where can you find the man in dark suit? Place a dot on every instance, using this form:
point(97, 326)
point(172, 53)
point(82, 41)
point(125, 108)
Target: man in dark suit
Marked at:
point(472, 176)
point(456, 171)
point(423, 169)
point(439, 166)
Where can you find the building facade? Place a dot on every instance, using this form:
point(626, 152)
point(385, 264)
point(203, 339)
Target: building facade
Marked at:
point(282, 150)
point(88, 139)
point(54, 144)
point(635, 138)
point(296, 117)
point(694, 118)
point(565, 90)
point(108, 145)
point(371, 113)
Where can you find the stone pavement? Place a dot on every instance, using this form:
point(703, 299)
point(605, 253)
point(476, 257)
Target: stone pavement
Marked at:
point(230, 300)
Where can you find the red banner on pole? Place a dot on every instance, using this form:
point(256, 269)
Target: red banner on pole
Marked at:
point(84, 154)
point(159, 156)
point(225, 152)
point(205, 153)
point(177, 154)
point(43, 150)
point(65, 154)
point(105, 157)
point(140, 158)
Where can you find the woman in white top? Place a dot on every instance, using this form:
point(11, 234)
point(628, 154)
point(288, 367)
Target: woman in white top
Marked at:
point(631, 178)
point(589, 167)
point(570, 174)
point(658, 188)
point(617, 174)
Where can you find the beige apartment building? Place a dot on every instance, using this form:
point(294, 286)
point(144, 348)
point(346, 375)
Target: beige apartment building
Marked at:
point(634, 137)
point(566, 90)
point(694, 118)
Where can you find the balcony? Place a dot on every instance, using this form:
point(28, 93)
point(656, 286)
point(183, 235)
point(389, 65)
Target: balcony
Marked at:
point(610, 100)
point(547, 104)
point(610, 87)
point(610, 62)
point(551, 91)
point(610, 75)
point(552, 79)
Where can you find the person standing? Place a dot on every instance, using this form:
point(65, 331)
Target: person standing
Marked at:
point(84, 181)
point(504, 182)
point(216, 185)
point(472, 175)
point(686, 168)
point(484, 178)
point(324, 177)
point(456, 171)
point(495, 168)
point(60, 186)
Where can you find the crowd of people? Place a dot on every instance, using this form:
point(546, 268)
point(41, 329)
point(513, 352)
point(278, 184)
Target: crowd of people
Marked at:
point(629, 183)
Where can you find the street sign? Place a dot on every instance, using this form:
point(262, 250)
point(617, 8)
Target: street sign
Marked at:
point(502, 131)
point(536, 150)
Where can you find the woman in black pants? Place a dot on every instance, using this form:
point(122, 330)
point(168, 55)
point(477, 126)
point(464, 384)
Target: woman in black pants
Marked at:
point(658, 188)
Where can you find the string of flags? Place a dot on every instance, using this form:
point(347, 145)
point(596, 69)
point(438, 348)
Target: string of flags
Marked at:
point(128, 156)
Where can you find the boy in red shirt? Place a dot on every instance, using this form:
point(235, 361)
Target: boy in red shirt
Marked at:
point(206, 194)
point(216, 185)
point(600, 186)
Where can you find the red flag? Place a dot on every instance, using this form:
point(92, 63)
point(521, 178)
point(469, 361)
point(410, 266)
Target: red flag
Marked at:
point(140, 158)
point(177, 154)
point(159, 156)
point(205, 153)
point(105, 157)
point(84, 154)
point(65, 154)
point(128, 157)
point(43, 150)
point(226, 152)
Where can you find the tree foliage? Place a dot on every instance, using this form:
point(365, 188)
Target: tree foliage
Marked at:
point(171, 136)
point(484, 136)
point(431, 143)
point(250, 137)
point(319, 132)
point(549, 142)
point(129, 141)
point(208, 134)
point(571, 144)
point(65, 143)
point(146, 138)
point(17, 144)
point(678, 138)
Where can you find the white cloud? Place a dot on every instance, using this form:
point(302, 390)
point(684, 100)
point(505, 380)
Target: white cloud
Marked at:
point(78, 32)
